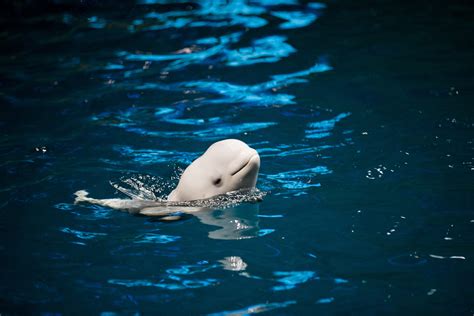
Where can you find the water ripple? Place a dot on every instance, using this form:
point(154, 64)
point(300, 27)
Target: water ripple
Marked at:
point(323, 128)
point(175, 276)
point(189, 55)
point(182, 285)
point(213, 133)
point(291, 279)
point(326, 300)
point(190, 269)
point(260, 94)
point(255, 309)
point(154, 238)
point(299, 179)
point(154, 156)
point(267, 50)
point(295, 19)
point(81, 234)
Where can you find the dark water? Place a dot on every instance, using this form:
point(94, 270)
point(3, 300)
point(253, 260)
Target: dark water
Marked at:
point(362, 113)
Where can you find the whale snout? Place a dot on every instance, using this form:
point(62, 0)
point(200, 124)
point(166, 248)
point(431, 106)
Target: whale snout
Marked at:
point(249, 160)
point(254, 161)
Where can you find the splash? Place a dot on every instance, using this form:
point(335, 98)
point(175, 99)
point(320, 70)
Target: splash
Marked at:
point(226, 200)
point(145, 187)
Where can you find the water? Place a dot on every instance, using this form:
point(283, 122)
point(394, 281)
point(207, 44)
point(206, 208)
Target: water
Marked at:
point(361, 112)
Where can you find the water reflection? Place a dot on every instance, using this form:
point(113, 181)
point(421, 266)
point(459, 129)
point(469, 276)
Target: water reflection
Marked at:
point(255, 309)
point(240, 222)
point(265, 50)
point(323, 128)
point(295, 19)
point(221, 14)
point(233, 263)
point(154, 238)
point(176, 278)
point(81, 234)
point(291, 279)
point(299, 179)
point(260, 94)
point(203, 49)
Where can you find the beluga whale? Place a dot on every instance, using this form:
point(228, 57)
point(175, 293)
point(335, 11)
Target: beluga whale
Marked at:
point(226, 167)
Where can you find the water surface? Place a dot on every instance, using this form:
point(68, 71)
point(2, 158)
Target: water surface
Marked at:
point(361, 113)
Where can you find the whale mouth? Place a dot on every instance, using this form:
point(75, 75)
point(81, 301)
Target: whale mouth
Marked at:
point(252, 159)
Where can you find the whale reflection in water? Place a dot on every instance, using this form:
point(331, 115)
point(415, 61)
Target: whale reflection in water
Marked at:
point(234, 213)
point(239, 222)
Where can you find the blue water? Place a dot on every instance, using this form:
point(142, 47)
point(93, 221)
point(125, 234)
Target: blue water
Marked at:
point(362, 113)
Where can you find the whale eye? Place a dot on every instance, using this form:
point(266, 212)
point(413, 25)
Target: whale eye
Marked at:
point(217, 181)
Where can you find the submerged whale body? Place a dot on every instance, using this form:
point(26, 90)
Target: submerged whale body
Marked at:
point(226, 166)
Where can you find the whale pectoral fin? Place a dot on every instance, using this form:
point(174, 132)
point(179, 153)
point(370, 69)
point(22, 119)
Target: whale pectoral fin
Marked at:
point(81, 196)
point(164, 214)
point(155, 211)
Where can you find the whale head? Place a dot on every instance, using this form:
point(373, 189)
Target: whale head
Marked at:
point(227, 165)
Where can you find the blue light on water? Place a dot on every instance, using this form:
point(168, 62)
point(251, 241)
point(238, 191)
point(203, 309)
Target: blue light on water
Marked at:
point(234, 7)
point(190, 269)
point(220, 14)
point(207, 134)
point(211, 120)
point(268, 49)
point(326, 300)
point(291, 279)
point(260, 94)
point(183, 285)
point(316, 68)
point(299, 179)
point(98, 92)
point(277, 2)
point(154, 238)
point(154, 156)
point(184, 58)
point(340, 281)
point(64, 206)
point(316, 5)
point(264, 232)
point(96, 22)
point(175, 275)
point(113, 67)
point(323, 128)
point(285, 152)
point(254, 309)
point(81, 234)
point(295, 19)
